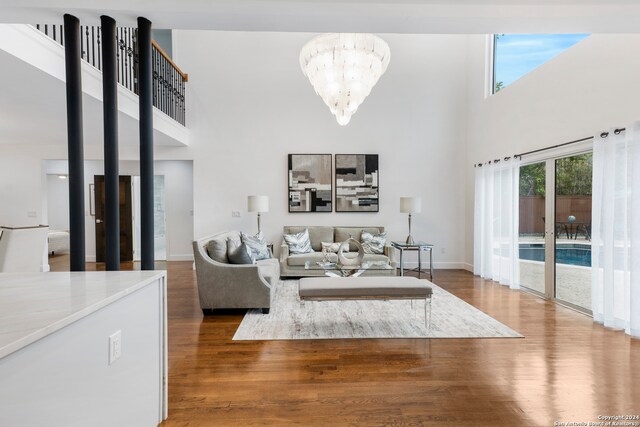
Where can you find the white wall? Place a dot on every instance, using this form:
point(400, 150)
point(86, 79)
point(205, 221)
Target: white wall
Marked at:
point(178, 187)
point(249, 105)
point(590, 87)
point(21, 193)
point(57, 203)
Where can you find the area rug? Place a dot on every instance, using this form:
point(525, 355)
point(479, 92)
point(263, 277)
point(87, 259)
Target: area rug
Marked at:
point(289, 320)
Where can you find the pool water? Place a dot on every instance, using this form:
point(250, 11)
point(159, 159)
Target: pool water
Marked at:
point(569, 253)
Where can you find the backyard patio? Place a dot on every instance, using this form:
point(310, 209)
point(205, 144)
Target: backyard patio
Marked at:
point(573, 277)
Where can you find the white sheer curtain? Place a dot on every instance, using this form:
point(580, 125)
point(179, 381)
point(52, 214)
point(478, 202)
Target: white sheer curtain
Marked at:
point(615, 251)
point(496, 251)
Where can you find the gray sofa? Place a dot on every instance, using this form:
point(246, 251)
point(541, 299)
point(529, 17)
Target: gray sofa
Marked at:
point(224, 285)
point(292, 265)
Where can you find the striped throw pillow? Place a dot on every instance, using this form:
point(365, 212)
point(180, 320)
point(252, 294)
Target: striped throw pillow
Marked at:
point(299, 243)
point(257, 245)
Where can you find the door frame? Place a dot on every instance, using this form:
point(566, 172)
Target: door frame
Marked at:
point(549, 157)
point(550, 229)
point(126, 218)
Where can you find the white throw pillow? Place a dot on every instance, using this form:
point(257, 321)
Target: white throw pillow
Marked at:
point(373, 243)
point(332, 247)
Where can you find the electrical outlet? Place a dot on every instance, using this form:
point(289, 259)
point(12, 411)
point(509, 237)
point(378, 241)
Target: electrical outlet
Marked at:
point(235, 214)
point(32, 214)
point(115, 346)
point(443, 250)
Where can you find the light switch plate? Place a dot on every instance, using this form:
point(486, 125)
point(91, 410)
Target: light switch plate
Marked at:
point(115, 346)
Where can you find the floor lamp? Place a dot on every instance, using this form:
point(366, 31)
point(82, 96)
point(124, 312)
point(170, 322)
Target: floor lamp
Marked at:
point(410, 205)
point(259, 204)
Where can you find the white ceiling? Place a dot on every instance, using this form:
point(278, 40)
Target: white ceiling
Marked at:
point(400, 16)
point(42, 101)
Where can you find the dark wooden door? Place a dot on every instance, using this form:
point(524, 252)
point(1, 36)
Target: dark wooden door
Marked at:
point(126, 221)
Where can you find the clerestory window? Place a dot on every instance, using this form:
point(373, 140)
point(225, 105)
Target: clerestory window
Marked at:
point(515, 55)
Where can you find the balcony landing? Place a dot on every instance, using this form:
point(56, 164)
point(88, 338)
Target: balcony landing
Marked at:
point(34, 101)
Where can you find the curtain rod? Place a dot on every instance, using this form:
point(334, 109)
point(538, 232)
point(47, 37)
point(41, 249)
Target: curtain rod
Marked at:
point(602, 135)
point(553, 146)
point(491, 161)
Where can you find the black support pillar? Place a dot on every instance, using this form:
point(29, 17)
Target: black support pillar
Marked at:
point(145, 82)
point(110, 113)
point(75, 142)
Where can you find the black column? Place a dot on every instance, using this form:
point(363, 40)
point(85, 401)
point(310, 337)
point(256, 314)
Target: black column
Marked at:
point(75, 141)
point(145, 84)
point(110, 113)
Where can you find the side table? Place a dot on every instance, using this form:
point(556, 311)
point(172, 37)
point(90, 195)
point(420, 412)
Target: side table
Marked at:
point(416, 246)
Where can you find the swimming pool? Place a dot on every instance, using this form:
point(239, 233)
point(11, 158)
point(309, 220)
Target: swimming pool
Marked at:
point(566, 253)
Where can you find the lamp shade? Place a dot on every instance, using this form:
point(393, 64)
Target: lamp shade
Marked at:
point(410, 204)
point(258, 203)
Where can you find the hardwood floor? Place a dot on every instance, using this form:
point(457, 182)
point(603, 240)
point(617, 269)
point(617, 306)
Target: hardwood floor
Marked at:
point(566, 369)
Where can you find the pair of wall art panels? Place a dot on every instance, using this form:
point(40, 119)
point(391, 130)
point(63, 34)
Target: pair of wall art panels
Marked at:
point(311, 184)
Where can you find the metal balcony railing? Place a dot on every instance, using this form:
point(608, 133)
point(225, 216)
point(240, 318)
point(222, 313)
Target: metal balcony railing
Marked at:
point(168, 80)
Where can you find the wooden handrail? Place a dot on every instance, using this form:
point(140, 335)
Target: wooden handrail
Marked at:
point(184, 75)
point(6, 227)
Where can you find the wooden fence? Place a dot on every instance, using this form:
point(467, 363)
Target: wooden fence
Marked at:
point(532, 211)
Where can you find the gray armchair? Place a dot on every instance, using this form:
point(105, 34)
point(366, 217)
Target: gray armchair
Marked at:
point(224, 285)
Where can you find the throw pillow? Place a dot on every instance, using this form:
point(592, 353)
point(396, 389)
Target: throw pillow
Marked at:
point(299, 243)
point(239, 253)
point(217, 250)
point(257, 245)
point(331, 247)
point(373, 243)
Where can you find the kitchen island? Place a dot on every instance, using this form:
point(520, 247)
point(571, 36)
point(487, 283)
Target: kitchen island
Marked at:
point(83, 348)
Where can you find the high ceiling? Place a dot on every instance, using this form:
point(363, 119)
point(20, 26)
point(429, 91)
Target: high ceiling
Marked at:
point(391, 16)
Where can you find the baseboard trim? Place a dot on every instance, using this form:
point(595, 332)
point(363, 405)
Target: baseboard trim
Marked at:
point(438, 265)
point(180, 257)
point(468, 267)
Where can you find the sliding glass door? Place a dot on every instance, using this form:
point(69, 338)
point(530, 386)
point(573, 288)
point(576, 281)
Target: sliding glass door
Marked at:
point(573, 230)
point(555, 231)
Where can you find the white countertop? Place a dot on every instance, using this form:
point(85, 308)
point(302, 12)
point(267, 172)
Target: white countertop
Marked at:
point(34, 305)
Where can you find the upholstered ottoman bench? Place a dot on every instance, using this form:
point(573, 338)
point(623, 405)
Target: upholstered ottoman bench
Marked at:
point(364, 288)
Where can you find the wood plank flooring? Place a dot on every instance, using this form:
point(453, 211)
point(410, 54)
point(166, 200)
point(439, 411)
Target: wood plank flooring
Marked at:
point(566, 369)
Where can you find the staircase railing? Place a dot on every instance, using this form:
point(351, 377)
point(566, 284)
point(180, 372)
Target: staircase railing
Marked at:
point(168, 79)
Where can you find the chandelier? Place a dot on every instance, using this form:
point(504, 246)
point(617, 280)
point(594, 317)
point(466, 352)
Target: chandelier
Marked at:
point(343, 67)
